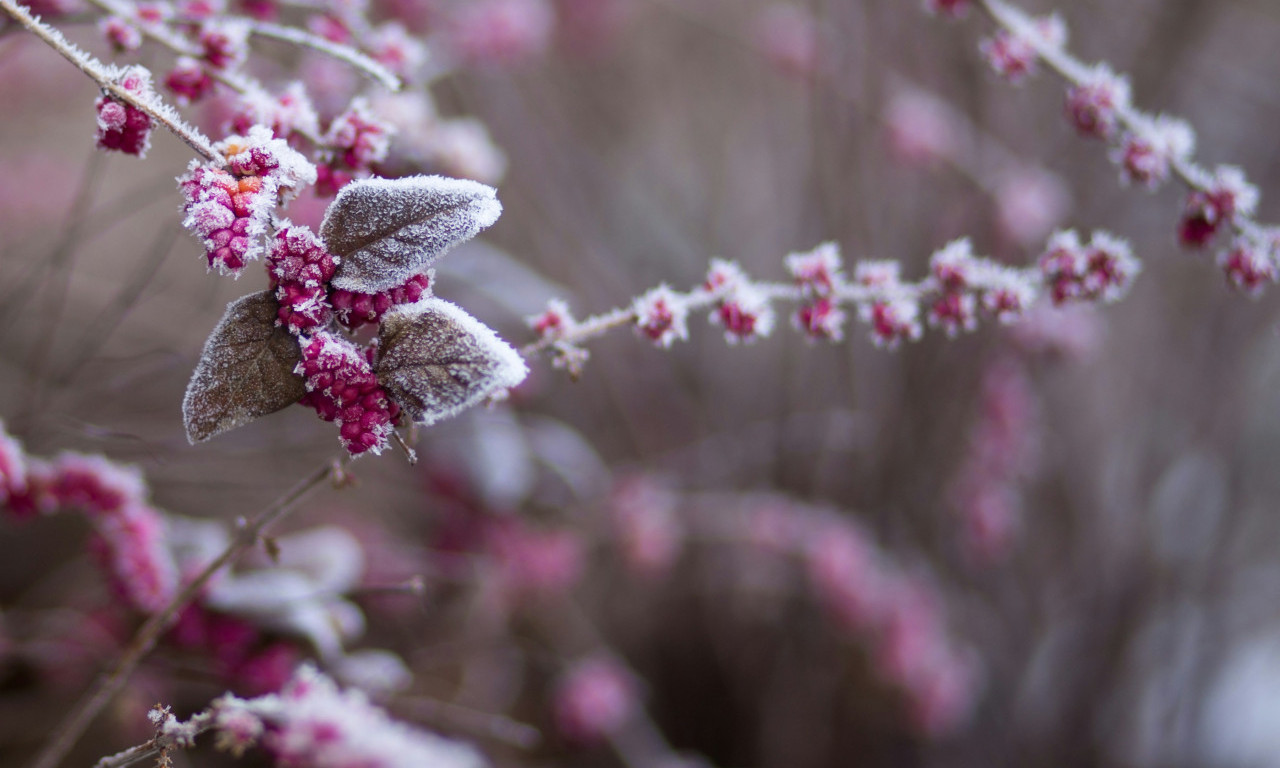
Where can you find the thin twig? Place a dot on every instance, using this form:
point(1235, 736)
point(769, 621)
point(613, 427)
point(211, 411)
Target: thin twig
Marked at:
point(345, 53)
point(1076, 72)
point(73, 726)
point(97, 71)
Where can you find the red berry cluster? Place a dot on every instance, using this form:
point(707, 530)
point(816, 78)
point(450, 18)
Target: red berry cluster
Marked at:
point(342, 387)
point(357, 140)
point(123, 127)
point(222, 210)
point(357, 309)
point(229, 209)
point(128, 540)
point(1103, 269)
point(300, 270)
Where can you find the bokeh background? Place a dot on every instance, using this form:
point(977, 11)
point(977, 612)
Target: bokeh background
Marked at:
point(1053, 544)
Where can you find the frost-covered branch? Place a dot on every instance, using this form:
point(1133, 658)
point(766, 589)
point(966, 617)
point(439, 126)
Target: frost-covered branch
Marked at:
point(1148, 148)
point(123, 87)
point(959, 288)
point(345, 53)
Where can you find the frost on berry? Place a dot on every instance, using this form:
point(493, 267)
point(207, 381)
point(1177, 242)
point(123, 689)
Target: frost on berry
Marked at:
point(1220, 198)
point(132, 547)
point(1248, 265)
point(892, 320)
point(1013, 55)
point(230, 208)
point(743, 309)
point(1094, 105)
point(554, 321)
point(311, 722)
point(289, 112)
point(436, 360)
point(360, 136)
point(388, 230)
point(1101, 271)
point(261, 154)
point(245, 371)
point(188, 80)
point(342, 387)
point(123, 127)
point(397, 50)
point(820, 319)
point(225, 43)
point(817, 272)
point(1148, 151)
point(661, 316)
point(122, 35)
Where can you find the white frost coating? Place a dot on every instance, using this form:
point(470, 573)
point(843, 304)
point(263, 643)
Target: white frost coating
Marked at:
point(388, 230)
point(501, 367)
point(290, 602)
point(316, 724)
point(330, 556)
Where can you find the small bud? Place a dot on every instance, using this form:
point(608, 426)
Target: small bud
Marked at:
point(1094, 104)
point(661, 315)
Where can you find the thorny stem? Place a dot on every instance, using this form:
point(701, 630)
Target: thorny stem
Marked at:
point(73, 726)
point(99, 74)
point(1076, 72)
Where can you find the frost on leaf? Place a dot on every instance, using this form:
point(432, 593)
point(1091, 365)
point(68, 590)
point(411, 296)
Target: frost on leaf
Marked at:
point(388, 230)
point(437, 360)
point(245, 370)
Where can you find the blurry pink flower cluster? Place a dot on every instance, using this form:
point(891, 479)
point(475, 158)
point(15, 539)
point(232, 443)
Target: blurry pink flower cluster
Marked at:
point(249, 628)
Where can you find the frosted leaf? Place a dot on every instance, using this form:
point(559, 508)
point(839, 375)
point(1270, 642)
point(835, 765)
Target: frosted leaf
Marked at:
point(388, 230)
point(437, 360)
point(245, 370)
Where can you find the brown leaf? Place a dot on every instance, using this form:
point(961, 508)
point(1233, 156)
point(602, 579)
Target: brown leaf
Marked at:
point(436, 360)
point(245, 371)
point(388, 230)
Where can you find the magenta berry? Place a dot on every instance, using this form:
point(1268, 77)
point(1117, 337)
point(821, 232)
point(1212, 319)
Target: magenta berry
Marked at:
point(189, 81)
point(661, 316)
point(1093, 106)
point(341, 387)
point(123, 127)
